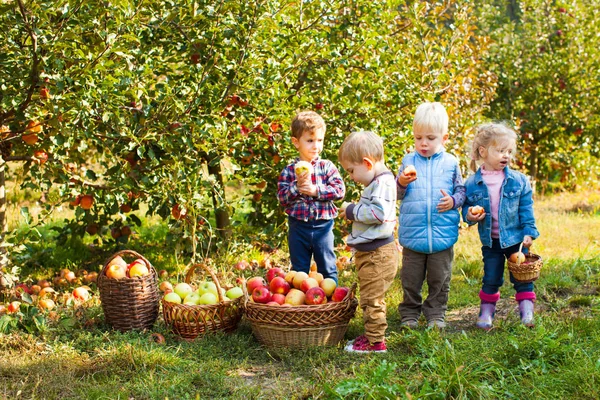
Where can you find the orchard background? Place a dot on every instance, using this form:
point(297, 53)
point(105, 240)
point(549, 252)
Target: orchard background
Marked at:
point(163, 125)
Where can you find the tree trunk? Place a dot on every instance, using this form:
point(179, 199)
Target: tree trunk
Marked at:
point(221, 214)
point(3, 224)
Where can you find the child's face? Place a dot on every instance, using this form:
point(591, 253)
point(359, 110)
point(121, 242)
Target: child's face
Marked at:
point(495, 158)
point(310, 144)
point(362, 173)
point(427, 143)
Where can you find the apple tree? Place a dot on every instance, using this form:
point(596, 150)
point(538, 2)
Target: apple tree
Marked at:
point(547, 62)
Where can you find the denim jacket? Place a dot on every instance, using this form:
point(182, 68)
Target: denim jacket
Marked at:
point(515, 211)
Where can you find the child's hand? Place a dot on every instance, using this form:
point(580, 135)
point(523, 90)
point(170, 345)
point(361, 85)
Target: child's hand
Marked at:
point(527, 241)
point(404, 179)
point(307, 188)
point(342, 210)
point(446, 202)
point(475, 217)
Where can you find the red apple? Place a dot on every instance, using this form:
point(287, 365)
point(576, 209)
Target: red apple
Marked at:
point(86, 201)
point(328, 285)
point(178, 212)
point(273, 303)
point(261, 295)
point(254, 282)
point(295, 297)
point(308, 283)
point(273, 272)
point(278, 297)
point(339, 294)
point(315, 295)
point(163, 274)
point(241, 265)
point(279, 285)
point(299, 278)
point(13, 306)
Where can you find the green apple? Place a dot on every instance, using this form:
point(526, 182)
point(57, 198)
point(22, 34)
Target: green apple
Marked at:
point(234, 292)
point(208, 298)
point(207, 287)
point(192, 298)
point(173, 297)
point(182, 289)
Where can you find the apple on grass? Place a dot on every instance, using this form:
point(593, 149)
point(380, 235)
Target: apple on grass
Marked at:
point(299, 278)
point(46, 304)
point(261, 295)
point(315, 295)
point(328, 285)
point(172, 297)
point(279, 285)
point(339, 294)
point(274, 272)
point(234, 292)
point(13, 307)
point(182, 289)
point(295, 297)
point(81, 293)
point(165, 285)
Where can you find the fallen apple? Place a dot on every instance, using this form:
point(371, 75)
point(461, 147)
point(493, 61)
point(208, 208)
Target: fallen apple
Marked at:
point(13, 307)
point(81, 293)
point(46, 304)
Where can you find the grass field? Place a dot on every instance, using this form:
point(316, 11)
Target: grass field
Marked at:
point(78, 357)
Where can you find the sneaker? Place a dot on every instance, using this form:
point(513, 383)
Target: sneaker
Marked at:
point(486, 315)
point(409, 324)
point(526, 312)
point(361, 345)
point(436, 323)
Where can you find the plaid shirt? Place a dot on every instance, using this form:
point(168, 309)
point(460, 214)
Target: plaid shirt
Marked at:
point(330, 187)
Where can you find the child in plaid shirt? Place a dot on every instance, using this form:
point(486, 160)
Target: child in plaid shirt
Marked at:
point(308, 198)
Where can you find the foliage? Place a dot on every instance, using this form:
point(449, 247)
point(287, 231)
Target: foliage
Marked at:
point(171, 103)
point(547, 63)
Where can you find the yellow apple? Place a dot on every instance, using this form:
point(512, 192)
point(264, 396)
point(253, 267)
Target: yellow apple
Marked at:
point(328, 285)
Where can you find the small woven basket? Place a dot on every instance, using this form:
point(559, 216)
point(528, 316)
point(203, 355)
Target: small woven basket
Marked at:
point(302, 326)
point(527, 271)
point(190, 321)
point(129, 303)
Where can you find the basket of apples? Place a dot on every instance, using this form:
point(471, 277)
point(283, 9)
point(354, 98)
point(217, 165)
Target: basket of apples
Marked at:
point(129, 291)
point(525, 267)
point(193, 311)
point(298, 310)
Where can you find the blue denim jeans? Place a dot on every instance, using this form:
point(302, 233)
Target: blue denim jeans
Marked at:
point(312, 239)
point(494, 259)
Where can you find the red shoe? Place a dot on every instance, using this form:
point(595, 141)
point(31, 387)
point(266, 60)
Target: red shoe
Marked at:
point(361, 345)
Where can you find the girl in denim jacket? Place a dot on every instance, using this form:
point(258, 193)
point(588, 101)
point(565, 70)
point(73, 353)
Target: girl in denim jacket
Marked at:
point(507, 219)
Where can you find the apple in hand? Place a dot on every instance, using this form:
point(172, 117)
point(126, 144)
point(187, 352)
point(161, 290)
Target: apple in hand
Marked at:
point(295, 297)
point(410, 171)
point(517, 258)
point(328, 285)
point(477, 210)
point(315, 295)
point(234, 293)
point(261, 295)
point(273, 272)
point(339, 294)
point(254, 282)
point(279, 285)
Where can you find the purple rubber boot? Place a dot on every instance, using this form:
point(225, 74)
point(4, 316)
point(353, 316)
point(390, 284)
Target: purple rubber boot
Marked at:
point(526, 300)
point(487, 310)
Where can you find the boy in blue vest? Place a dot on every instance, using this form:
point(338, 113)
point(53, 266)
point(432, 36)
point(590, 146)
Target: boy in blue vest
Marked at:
point(431, 190)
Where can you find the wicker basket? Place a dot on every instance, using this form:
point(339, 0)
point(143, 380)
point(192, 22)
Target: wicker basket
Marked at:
point(129, 303)
point(303, 326)
point(189, 321)
point(527, 271)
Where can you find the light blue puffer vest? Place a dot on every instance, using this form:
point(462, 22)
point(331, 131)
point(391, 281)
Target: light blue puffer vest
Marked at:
point(422, 228)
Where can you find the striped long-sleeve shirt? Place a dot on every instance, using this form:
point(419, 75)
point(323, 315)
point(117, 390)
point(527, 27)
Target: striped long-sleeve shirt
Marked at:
point(330, 187)
point(374, 216)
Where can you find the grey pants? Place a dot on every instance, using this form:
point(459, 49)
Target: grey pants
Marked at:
point(437, 269)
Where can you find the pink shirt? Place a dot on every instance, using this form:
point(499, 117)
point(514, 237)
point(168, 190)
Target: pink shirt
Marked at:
point(493, 181)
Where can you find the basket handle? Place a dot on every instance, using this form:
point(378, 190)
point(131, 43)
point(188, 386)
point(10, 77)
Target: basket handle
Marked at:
point(128, 252)
point(190, 274)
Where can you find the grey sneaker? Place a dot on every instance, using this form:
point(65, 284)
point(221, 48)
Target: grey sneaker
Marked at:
point(409, 324)
point(436, 323)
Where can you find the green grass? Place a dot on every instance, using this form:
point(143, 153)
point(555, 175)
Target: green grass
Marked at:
point(79, 357)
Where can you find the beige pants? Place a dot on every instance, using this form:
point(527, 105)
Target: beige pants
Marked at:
point(376, 271)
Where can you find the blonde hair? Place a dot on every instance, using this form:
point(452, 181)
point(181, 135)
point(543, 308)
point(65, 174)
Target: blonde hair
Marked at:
point(491, 135)
point(306, 121)
point(359, 145)
point(431, 118)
